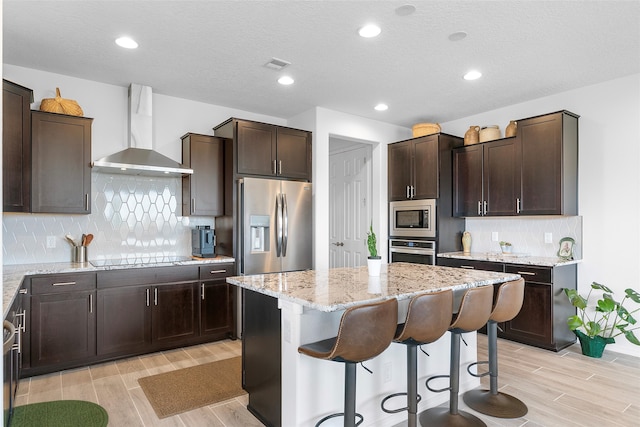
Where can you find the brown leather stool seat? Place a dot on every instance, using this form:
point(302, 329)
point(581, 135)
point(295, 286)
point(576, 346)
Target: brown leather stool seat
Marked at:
point(365, 331)
point(507, 305)
point(474, 312)
point(428, 318)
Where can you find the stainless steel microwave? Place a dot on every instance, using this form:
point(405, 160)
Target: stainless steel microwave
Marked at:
point(412, 218)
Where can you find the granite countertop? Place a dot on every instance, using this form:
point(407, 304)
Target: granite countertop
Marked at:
point(338, 288)
point(13, 275)
point(510, 259)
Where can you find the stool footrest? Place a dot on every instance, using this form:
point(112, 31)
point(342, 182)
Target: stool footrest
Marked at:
point(340, 414)
point(395, 411)
point(478, 375)
point(437, 390)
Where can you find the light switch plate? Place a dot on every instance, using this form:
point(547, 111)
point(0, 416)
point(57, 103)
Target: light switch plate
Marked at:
point(51, 242)
point(548, 237)
point(494, 236)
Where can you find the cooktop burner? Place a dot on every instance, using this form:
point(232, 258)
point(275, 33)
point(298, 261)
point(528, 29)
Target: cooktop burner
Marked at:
point(139, 261)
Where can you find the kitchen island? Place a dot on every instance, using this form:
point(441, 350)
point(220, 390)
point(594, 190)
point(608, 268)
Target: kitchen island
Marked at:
point(285, 310)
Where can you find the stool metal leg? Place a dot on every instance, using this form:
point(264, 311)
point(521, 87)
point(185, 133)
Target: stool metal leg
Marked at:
point(412, 385)
point(350, 394)
point(453, 417)
point(492, 402)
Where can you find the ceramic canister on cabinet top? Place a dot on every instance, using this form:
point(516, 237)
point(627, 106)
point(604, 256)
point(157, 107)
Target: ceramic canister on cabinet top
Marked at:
point(511, 128)
point(471, 136)
point(489, 133)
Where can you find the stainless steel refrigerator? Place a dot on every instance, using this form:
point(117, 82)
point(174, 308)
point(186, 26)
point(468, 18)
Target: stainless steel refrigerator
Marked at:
point(275, 226)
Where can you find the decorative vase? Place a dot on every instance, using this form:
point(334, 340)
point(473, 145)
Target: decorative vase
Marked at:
point(466, 242)
point(592, 346)
point(489, 133)
point(471, 136)
point(511, 128)
point(373, 266)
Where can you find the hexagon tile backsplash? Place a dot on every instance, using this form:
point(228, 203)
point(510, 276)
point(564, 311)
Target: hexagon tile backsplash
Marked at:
point(131, 217)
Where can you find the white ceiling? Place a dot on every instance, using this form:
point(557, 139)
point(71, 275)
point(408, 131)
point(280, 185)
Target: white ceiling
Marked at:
point(215, 51)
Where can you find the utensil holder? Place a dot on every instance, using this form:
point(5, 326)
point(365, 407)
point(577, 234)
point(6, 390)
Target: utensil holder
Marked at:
point(79, 254)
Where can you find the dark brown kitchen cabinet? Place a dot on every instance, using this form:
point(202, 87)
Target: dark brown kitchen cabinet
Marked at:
point(174, 314)
point(14, 355)
point(16, 147)
point(413, 168)
point(61, 156)
point(548, 164)
point(216, 305)
point(268, 150)
point(484, 179)
point(203, 191)
point(63, 320)
point(470, 264)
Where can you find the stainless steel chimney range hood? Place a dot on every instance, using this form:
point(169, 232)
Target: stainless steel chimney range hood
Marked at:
point(140, 158)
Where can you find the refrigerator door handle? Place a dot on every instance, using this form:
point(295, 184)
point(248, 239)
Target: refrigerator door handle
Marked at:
point(278, 225)
point(285, 224)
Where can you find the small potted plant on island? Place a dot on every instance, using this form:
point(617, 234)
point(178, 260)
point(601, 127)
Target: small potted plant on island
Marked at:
point(373, 260)
point(598, 324)
point(506, 247)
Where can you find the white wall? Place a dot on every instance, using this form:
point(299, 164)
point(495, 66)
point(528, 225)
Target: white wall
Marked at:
point(609, 177)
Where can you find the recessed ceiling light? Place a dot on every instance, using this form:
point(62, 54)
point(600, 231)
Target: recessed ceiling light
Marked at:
point(369, 30)
point(126, 42)
point(381, 107)
point(473, 75)
point(285, 80)
point(457, 36)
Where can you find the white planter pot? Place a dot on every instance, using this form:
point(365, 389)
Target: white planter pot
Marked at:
point(373, 265)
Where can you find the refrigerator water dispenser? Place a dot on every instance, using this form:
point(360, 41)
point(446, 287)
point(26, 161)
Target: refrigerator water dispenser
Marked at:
point(259, 226)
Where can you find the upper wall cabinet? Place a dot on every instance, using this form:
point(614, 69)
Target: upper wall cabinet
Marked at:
point(548, 164)
point(535, 173)
point(203, 191)
point(484, 179)
point(268, 150)
point(61, 156)
point(16, 147)
point(413, 168)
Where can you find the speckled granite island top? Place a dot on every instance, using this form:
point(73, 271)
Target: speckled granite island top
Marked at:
point(338, 288)
point(510, 259)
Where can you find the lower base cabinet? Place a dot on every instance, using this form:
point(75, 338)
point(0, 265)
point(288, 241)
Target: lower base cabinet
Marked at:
point(542, 320)
point(80, 319)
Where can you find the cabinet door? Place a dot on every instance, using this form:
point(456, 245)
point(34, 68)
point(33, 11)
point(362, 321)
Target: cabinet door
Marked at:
point(63, 328)
point(216, 309)
point(293, 153)
point(124, 320)
point(540, 157)
point(61, 173)
point(16, 147)
point(425, 167)
point(467, 181)
point(174, 313)
point(203, 191)
point(256, 148)
point(499, 177)
point(533, 325)
point(400, 172)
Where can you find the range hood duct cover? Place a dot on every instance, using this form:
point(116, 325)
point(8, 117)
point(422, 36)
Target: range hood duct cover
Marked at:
point(140, 158)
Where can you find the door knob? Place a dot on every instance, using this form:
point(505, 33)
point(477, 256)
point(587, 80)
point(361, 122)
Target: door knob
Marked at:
point(338, 244)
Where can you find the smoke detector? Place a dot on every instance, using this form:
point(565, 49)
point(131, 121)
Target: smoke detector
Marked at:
point(277, 64)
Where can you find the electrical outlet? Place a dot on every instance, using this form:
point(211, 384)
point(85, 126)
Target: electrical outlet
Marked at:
point(494, 236)
point(51, 242)
point(387, 372)
point(548, 237)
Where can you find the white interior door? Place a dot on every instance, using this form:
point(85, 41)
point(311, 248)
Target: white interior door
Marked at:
point(350, 206)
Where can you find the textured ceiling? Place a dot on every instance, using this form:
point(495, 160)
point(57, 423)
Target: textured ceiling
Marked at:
point(215, 51)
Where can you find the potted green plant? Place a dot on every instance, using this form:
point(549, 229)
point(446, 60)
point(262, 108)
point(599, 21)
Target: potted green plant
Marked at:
point(597, 325)
point(506, 247)
point(373, 260)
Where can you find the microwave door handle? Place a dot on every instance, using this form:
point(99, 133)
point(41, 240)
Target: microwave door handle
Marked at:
point(278, 225)
point(285, 224)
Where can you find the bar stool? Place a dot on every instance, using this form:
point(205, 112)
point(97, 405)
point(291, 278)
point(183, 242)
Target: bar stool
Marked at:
point(365, 331)
point(507, 305)
point(428, 318)
point(474, 312)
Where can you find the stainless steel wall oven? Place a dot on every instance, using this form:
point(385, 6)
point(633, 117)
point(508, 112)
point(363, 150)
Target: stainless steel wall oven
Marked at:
point(414, 251)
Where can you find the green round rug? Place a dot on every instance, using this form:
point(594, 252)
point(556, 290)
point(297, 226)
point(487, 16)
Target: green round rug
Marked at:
point(60, 413)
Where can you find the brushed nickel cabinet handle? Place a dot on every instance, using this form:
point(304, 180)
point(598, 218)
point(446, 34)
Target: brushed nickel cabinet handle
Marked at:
point(23, 291)
point(155, 296)
point(518, 205)
point(64, 284)
point(90, 303)
point(280, 167)
point(275, 170)
point(526, 273)
point(202, 291)
point(479, 208)
point(147, 296)
point(86, 201)
point(484, 210)
point(193, 205)
point(468, 267)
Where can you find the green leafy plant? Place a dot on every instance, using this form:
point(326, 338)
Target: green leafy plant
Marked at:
point(608, 318)
point(503, 243)
point(372, 243)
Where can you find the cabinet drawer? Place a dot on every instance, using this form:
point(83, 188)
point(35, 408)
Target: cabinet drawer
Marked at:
point(216, 271)
point(146, 276)
point(531, 274)
point(56, 283)
point(471, 264)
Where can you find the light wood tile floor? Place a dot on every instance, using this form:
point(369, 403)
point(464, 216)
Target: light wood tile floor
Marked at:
point(561, 389)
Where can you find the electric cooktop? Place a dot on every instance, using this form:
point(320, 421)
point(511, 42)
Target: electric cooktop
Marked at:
point(139, 260)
